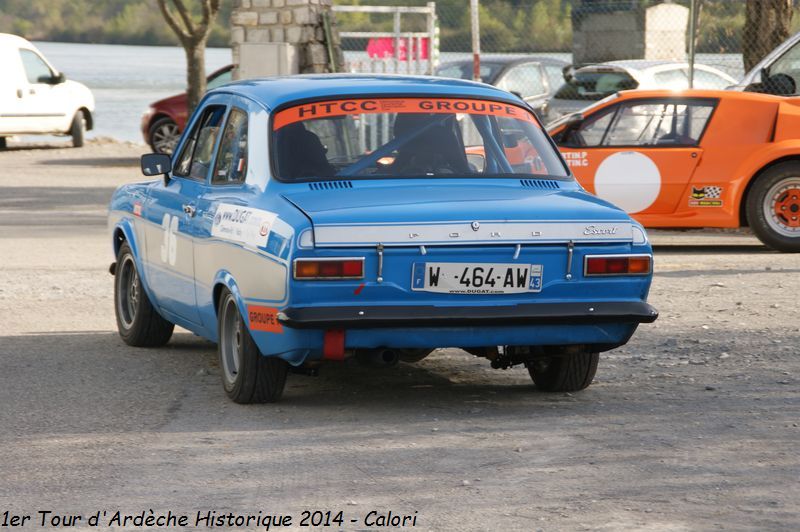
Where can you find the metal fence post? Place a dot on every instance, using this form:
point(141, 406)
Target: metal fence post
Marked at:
point(692, 34)
point(431, 20)
point(476, 41)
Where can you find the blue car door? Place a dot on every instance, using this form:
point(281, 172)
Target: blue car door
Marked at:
point(226, 219)
point(171, 212)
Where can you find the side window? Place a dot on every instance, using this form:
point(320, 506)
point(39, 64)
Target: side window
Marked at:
point(674, 79)
point(555, 76)
point(222, 79)
point(789, 65)
point(658, 124)
point(709, 80)
point(198, 150)
point(591, 131)
point(231, 166)
point(36, 69)
point(525, 80)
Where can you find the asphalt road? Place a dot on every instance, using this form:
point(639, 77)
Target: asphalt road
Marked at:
point(692, 426)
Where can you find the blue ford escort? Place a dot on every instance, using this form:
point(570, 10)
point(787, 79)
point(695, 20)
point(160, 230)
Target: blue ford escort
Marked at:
point(314, 218)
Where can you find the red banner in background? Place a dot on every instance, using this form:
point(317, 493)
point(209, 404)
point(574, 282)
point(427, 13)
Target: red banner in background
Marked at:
point(383, 48)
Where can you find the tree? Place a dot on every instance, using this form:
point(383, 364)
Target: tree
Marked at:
point(193, 36)
point(767, 24)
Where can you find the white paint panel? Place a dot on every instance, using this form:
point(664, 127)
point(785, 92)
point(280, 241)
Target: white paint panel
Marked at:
point(630, 180)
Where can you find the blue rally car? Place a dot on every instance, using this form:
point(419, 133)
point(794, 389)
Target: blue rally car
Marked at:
point(313, 218)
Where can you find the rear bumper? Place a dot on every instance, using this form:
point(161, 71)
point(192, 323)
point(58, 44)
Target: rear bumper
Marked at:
point(351, 317)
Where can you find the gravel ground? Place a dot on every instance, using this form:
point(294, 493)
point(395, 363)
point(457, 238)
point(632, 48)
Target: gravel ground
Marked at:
point(691, 426)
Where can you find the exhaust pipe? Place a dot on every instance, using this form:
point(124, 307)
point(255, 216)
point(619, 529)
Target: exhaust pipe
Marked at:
point(381, 357)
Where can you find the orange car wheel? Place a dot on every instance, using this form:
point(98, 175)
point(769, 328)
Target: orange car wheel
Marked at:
point(773, 207)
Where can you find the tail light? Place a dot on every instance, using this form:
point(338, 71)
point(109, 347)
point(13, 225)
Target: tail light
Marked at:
point(617, 265)
point(329, 269)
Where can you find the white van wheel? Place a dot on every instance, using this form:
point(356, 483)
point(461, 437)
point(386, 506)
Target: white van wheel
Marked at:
point(78, 129)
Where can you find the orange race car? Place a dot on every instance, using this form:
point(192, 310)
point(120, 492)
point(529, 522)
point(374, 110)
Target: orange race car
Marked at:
point(695, 158)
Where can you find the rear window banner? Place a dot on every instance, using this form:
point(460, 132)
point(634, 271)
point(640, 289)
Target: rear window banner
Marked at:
point(314, 110)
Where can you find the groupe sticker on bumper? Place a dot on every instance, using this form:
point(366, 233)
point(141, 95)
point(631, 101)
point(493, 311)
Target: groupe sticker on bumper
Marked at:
point(243, 225)
point(264, 319)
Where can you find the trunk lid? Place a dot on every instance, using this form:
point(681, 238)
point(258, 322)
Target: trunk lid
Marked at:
point(534, 211)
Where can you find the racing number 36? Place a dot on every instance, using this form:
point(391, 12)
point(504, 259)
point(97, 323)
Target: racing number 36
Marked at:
point(169, 244)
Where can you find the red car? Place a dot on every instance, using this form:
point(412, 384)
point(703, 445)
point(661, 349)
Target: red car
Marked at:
point(164, 121)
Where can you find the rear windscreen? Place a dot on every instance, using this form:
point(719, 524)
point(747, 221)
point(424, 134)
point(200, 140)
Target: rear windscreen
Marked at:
point(410, 137)
point(595, 85)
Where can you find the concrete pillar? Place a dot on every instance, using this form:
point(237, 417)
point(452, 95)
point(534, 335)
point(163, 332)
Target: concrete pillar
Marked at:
point(279, 37)
point(607, 32)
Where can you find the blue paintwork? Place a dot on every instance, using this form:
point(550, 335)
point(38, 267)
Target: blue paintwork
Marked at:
point(396, 201)
point(190, 302)
point(275, 92)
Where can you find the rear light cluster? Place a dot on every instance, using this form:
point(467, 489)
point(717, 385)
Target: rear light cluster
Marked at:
point(344, 268)
point(617, 265)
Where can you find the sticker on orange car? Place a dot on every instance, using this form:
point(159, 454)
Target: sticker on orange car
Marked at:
point(575, 158)
point(310, 111)
point(706, 197)
point(264, 319)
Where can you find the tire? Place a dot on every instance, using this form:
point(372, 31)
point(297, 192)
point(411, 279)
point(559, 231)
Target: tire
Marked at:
point(564, 373)
point(78, 129)
point(163, 135)
point(138, 322)
point(247, 375)
point(3, 143)
point(773, 207)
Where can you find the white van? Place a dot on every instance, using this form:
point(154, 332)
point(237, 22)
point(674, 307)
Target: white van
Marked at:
point(36, 98)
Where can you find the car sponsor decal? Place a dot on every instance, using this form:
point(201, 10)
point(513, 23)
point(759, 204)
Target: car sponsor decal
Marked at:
point(705, 197)
point(243, 225)
point(575, 158)
point(310, 111)
point(264, 319)
point(137, 209)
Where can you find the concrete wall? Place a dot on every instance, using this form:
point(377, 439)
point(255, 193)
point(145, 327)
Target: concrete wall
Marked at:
point(269, 37)
point(602, 33)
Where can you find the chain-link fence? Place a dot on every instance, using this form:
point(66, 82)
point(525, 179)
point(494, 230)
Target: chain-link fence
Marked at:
point(588, 31)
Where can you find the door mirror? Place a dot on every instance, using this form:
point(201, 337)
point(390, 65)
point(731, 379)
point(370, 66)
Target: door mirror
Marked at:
point(780, 84)
point(157, 164)
point(574, 121)
point(53, 79)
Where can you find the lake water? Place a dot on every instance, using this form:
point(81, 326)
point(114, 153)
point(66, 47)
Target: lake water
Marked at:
point(125, 79)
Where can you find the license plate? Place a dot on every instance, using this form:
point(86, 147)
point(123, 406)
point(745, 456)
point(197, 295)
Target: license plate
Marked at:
point(478, 279)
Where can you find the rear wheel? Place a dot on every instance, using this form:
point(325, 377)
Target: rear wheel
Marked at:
point(164, 135)
point(773, 207)
point(78, 129)
point(568, 372)
point(247, 375)
point(138, 322)
point(3, 143)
